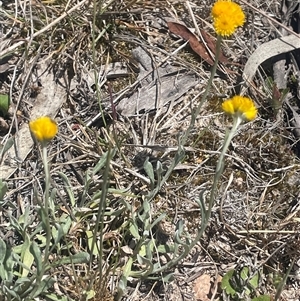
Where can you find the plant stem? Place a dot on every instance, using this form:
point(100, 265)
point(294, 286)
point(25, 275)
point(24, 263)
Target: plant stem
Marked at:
point(220, 166)
point(46, 200)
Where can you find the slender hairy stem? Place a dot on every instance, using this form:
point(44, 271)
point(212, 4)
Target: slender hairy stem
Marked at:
point(220, 166)
point(46, 200)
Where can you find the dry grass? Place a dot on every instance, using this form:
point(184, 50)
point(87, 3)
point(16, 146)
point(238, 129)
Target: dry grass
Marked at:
point(255, 220)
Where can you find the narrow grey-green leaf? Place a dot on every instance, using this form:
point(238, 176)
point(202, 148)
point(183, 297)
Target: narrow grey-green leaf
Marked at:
point(101, 163)
point(165, 249)
point(159, 172)
point(3, 189)
point(26, 257)
point(4, 104)
point(149, 170)
point(7, 145)
point(44, 286)
point(82, 257)
point(226, 285)
point(134, 230)
point(158, 220)
point(254, 281)
point(68, 188)
point(10, 292)
point(168, 278)
point(2, 250)
point(54, 297)
point(36, 252)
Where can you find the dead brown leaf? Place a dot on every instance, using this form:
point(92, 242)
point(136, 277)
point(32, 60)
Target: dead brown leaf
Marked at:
point(182, 31)
point(187, 35)
point(201, 48)
point(211, 43)
point(202, 287)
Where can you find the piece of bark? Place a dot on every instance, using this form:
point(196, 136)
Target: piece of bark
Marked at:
point(265, 52)
point(158, 86)
point(47, 103)
point(145, 99)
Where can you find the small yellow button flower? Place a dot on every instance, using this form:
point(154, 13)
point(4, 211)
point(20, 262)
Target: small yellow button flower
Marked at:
point(227, 16)
point(43, 129)
point(239, 106)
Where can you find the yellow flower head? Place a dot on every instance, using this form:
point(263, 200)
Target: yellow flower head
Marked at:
point(43, 129)
point(239, 106)
point(227, 16)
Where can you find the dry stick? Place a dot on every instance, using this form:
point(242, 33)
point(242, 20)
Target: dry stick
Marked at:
point(271, 19)
point(14, 46)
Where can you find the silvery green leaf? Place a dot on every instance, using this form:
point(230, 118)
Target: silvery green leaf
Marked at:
point(149, 170)
point(4, 104)
point(3, 189)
